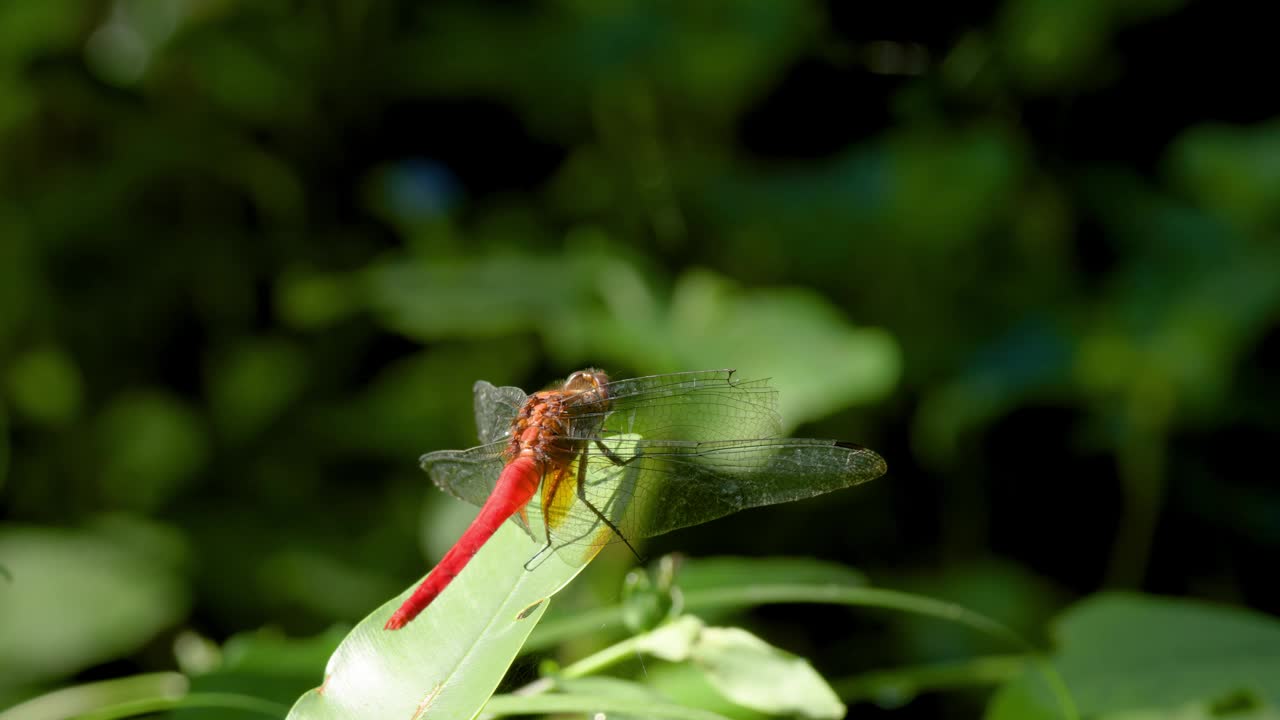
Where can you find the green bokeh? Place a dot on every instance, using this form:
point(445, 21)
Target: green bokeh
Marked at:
point(253, 256)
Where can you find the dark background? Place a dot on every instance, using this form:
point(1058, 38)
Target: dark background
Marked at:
point(253, 255)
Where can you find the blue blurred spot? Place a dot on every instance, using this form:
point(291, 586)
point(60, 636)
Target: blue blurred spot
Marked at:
point(419, 189)
point(1034, 353)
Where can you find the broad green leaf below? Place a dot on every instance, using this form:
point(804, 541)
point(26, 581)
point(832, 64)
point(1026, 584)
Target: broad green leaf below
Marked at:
point(448, 661)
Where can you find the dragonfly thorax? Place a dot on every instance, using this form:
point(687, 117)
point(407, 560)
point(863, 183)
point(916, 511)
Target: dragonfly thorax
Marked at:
point(539, 429)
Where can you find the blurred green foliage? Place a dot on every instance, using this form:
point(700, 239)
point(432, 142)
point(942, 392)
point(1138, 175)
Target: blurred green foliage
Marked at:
point(1125, 653)
point(254, 254)
point(78, 597)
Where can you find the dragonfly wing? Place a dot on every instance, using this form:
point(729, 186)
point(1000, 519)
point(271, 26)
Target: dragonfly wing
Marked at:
point(667, 485)
point(680, 485)
point(468, 475)
point(496, 408)
point(706, 405)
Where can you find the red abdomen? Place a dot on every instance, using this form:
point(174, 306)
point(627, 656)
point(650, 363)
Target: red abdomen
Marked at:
point(516, 486)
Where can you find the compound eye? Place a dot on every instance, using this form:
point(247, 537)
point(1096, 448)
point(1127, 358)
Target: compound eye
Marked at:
point(585, 381)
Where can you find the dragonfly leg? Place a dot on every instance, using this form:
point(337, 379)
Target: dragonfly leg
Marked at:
point(582, 494)
point(533, 562)
point(613, 456)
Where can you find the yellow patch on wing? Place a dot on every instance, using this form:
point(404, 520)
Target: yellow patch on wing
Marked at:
point(558, 494)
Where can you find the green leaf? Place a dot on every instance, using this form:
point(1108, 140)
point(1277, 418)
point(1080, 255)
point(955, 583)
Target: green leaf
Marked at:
point(741, 667)
point(562, 703)
point(1020, 599)
point(603, 308)
point(895, 687)
point(1126, 652)
point(1201, 711)
point(716, 73)
point(684, 684)
point(72, 701)
point(1231, 170)
point(756, 675)
point(634, 693)
point(478, 298)
point(219, 701)
point(676, 641)
point(712, 322)
point(77, 598)
point(673, 642)
point(604, 686)
point(1160, 651)
point(449, 660)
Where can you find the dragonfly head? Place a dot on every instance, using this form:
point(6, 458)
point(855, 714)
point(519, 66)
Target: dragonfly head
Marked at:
point(591, 381)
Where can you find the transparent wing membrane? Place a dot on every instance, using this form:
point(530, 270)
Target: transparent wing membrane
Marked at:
point(666, 485)
point(466, 474)
point(697, 406)
point(495, 409)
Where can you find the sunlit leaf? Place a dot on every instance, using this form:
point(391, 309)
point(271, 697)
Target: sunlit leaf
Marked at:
point(674, 641)
point(448, 661)
point(743, 668)
point(754, 674)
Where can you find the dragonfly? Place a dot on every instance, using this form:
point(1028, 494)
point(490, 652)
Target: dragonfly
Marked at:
point(621, 460)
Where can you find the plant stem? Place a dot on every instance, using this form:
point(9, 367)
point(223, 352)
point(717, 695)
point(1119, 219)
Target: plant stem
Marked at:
point(903, 683)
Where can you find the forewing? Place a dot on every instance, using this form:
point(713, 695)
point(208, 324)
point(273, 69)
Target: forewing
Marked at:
point(496, 408)
point(706, 405)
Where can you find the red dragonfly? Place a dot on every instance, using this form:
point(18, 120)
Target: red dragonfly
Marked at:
point(627, 459)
